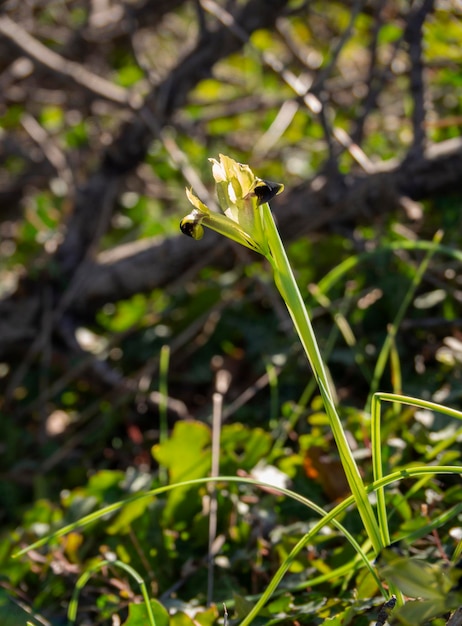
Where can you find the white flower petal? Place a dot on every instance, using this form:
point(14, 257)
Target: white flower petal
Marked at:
point(218, 171)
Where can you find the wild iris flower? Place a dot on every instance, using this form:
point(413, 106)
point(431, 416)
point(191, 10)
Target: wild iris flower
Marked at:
point(240, 195)
point(247, 219)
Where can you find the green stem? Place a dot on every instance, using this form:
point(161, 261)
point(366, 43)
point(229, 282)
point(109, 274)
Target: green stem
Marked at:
point(164, 361)
point(85, 577)
point(288, 288)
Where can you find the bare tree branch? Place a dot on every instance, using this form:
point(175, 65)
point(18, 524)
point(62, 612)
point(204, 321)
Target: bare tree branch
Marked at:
point(301, 210)
point(76, 72)
point(414, 37)
point(148, 264)
point(375, 79)
point(129, 149)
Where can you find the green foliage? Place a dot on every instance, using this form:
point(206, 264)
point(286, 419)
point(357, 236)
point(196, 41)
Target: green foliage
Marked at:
point(12, 613)
point(138, 615)
point(435, 584)
point(79, 422)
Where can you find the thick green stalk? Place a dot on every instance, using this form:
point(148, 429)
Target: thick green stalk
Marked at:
point(288, 288)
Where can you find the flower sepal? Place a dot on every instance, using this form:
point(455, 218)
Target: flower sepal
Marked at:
point(240, 195)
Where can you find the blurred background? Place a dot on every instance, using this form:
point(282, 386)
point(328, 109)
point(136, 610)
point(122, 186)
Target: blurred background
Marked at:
point(108, 110)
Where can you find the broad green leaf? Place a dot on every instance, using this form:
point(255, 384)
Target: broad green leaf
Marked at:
point(105, 482)
point(205, 617)
point(208, 617)
point(138, 615)
point(181, 619)
point(416, 578)
point(416, 612)
point(12, 613)
point(242, 447)
point(129, 512)
point(242, 606)
point(186, 454)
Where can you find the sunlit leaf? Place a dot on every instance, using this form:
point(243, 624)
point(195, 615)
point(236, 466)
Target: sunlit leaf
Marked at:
point(186, 454)
point(416, 578)
point(130, 512)
point(138, 614)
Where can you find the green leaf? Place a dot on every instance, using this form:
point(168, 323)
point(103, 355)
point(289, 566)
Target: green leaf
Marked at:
point(12, 614)
point(242, 606)
point(129, 75)
point(138, 615)
point(52, 117)
point(181, 619)
point(243, 447)
point(416, 612)
point(186, 454)
point(206, 617)
point(105, 483)
point(129, 512)
point(415, 577)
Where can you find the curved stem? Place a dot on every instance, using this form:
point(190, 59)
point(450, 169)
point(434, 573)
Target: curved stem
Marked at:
point(288, 288)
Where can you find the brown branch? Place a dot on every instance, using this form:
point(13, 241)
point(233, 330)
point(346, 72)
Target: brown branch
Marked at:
point(129, 149)
point(148, 264)
point(115, 20)
point(143, 266)
point(414, 37)
point(375, 79)
point(94, 200)
point(76, 72)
